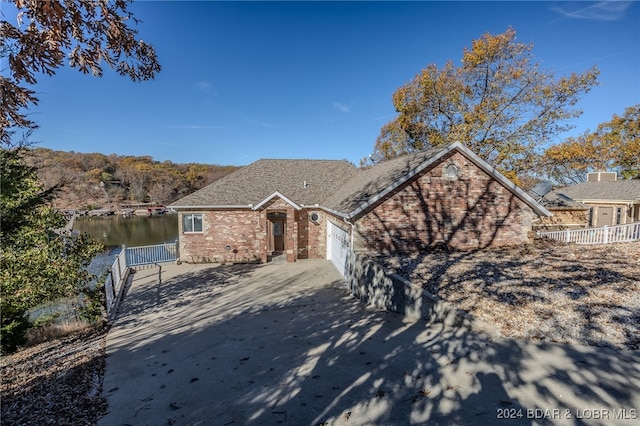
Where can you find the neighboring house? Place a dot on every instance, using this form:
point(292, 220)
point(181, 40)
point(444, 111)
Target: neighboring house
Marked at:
point(322, 208)
point(608, 201)
point(567, 213)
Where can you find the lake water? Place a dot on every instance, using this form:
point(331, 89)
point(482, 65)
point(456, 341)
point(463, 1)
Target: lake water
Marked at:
point(115, 231)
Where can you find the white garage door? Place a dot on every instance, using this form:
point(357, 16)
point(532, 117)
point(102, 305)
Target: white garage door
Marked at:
point(338, 249)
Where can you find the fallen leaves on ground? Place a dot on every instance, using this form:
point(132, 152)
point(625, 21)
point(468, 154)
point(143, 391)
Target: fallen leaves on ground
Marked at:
point(55, 383)
point(543, 291)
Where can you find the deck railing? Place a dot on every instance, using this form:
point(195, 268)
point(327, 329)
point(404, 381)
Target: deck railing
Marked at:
point(114, 284)
point(604, 235)
point(149, 255)
point(131, 257)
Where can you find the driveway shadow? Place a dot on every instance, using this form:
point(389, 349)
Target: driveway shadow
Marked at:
point(290, 346)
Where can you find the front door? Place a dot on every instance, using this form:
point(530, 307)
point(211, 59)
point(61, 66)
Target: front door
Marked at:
point(277, 231)
point(605, 217)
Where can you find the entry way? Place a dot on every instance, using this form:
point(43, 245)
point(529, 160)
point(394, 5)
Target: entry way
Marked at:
point(338, 250)
point(276, 231)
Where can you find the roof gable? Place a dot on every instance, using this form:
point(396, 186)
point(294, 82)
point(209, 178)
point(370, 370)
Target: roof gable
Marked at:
point(276, 195)
point(371, 185)
point(336, 186)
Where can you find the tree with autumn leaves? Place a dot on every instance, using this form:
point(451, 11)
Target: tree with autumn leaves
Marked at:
point(37, 263)
point(86, 34)
point(614, 145)
point(499, 102)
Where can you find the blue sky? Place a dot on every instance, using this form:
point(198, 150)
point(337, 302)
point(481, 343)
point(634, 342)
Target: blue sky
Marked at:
point(243, 81)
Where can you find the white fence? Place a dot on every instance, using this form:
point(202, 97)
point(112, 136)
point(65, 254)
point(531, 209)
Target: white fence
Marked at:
point(114, 283)
point(127, 258)
point(604, 235)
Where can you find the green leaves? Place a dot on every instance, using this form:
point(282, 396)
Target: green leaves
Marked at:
point(36, 264)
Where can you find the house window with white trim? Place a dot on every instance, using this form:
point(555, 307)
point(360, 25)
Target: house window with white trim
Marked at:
point(192, 222)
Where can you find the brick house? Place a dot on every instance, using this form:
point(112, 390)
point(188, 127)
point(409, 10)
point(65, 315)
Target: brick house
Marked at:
point(321, 208)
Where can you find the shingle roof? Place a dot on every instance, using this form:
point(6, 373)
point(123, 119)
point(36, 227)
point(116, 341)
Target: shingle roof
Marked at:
point(368, 183)
point(337, 186)
point(555, 201)
point(253, 183)
point(372, 184)
point(621, 190)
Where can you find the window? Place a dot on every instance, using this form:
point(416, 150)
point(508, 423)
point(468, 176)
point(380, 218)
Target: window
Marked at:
point(618, 215)
point(451, 171)
point(192, 222)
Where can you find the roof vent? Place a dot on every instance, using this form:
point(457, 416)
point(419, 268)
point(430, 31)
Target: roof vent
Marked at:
point(305, 184)
point(602, 177)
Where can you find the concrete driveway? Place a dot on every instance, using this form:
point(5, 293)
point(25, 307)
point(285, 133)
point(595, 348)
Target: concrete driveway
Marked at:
point(287, 344)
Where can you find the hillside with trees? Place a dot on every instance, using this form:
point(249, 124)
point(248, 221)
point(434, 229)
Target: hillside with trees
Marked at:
point(106, 181)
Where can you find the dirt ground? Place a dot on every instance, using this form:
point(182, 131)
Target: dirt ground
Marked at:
point(547, 291)
point(55, 383)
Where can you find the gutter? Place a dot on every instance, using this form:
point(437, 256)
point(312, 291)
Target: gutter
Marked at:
point(241, 206)
point(610, 201)
point(344, 216)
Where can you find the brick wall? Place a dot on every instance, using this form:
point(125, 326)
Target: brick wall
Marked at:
point(247, 232)
point(240, 230)
point(311, 235)
point(471, 210)
point(291, 226)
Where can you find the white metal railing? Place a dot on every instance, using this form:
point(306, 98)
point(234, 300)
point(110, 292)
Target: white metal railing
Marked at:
point(604, 235)
point(148, 255)
point(114, 284)
point(129, 257)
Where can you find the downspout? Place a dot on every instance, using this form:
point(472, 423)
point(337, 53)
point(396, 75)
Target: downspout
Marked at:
point(352, 256)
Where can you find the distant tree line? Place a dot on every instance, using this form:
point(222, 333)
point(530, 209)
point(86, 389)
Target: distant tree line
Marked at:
point(98, 180)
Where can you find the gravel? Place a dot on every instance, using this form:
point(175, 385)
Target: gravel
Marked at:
point(549, 291)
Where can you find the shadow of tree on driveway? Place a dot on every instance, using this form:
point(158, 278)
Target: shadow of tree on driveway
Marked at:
point(283, 348)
